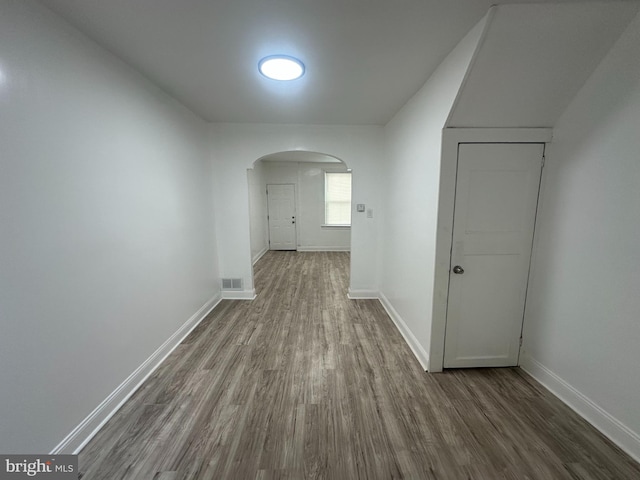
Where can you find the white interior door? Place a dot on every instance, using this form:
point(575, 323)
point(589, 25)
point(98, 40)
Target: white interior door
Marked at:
point(495, 208)
point(281, 205)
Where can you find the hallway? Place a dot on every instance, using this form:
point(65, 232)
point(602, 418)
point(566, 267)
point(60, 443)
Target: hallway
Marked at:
point(304, 383)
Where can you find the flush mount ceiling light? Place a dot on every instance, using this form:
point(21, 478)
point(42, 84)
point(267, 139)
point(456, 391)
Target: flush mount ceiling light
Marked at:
point(281, 67)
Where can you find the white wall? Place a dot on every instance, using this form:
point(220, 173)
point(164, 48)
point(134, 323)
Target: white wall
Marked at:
point(106, 237)
point(413, 148)
point(237, 146)
point(308, 179)
point(582, 328)
point(257, 211)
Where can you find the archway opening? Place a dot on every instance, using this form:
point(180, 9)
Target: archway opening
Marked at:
point(301, 201)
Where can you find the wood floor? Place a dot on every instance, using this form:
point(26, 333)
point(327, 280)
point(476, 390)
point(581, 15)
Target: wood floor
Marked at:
point(304, 383)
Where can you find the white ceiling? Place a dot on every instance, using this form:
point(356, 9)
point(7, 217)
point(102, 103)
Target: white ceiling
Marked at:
point(364, 58)
point(533, 61)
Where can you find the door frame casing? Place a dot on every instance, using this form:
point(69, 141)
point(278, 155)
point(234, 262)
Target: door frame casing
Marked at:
point(451, 138)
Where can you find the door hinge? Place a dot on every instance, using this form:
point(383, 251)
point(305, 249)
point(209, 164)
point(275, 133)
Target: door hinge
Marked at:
point(544, 159)
point(520, 341)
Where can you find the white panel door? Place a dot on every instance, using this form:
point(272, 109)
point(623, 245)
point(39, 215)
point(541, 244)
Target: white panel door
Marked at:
point(495, 208)
point(281, 204)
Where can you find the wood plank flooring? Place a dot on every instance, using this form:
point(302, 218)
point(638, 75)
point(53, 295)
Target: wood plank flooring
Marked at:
point(304, 383)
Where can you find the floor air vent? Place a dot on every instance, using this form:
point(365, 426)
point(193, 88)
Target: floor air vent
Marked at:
point(232, 284)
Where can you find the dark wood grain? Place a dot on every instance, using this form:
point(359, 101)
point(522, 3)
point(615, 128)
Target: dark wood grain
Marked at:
point(304, 383)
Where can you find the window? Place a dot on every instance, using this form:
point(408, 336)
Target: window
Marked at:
point(337, 199)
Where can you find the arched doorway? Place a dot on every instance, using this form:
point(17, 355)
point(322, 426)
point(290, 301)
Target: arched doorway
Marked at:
point(299, 200)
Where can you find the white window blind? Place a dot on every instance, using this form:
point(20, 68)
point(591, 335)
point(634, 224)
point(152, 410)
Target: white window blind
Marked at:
point(337, 198)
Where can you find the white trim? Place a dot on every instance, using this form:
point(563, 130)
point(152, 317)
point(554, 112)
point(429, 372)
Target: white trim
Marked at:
point(259, 255)
point(91, 425)
point(327, 225)
point(451, 137)
point(363, 294)
point(412, 341)
point(323, 249)
point(607, 424)
point(239, 294)
point(497, 135)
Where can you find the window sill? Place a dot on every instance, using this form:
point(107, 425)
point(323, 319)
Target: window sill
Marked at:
point(335, 226)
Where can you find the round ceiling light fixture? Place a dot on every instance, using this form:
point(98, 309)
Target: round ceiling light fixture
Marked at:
point(281, 67)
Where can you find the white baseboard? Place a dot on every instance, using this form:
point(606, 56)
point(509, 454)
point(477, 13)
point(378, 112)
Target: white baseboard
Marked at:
point(324, 249)
point(611, 427)
point(417, 349)
point(259, 255)
point(239, 294)
point(91, 425)
point(363, 295)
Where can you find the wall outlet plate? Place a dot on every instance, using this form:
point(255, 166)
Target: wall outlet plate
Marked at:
point(360, 207)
